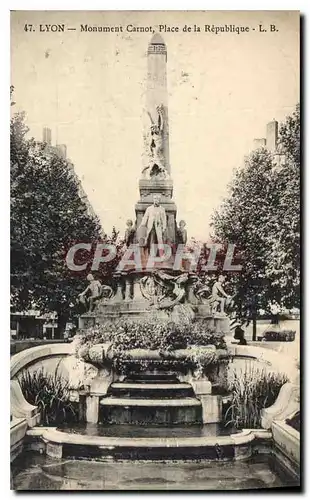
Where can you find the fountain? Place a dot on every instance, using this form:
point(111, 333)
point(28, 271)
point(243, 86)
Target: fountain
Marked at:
point(159, 286)
point(152, 345)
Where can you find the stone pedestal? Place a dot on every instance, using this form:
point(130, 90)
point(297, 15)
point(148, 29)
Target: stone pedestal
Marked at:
point(243, 444)
point(201, 387)
point(211, 408)
point(164, 187)
point(54, 450)
point(222, 323)
point(287, 446)
point(92, 409)
point(101, 383)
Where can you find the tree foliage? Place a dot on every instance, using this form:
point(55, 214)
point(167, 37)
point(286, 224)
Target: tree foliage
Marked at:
point(261, 216)
point(47, 218)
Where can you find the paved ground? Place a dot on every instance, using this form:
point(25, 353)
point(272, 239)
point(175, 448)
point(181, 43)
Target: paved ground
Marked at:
point(35, 472)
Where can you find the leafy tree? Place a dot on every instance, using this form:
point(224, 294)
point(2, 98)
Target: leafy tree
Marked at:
point(284, 265)
point(261, 217)
point(47, 218)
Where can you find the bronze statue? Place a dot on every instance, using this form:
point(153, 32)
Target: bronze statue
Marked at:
point(154, 220)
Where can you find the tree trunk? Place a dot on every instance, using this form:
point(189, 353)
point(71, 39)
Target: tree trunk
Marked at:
point(254, 326)
point(62, 319)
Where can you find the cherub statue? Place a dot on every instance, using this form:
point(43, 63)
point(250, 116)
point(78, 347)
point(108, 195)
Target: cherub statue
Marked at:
point(129, 233)
point(182, 233)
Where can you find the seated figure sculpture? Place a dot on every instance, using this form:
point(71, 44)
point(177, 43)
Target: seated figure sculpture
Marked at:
point(219, 297)
point(92, 293)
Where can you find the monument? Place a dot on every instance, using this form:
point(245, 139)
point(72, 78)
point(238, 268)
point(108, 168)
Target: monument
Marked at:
point(156, 171)
point(162, 286)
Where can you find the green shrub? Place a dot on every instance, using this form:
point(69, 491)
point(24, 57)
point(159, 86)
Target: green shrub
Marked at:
point(50, 392)
point(252, 390)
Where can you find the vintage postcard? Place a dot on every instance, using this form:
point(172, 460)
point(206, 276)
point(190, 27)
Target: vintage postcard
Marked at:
point(155, 250)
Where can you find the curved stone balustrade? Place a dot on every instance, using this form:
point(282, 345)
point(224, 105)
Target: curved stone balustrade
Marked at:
point(20, 408)
point(286, 404)
point(280, 362)
point(21, 360)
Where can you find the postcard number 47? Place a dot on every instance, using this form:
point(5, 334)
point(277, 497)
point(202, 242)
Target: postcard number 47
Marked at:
point(28, 27)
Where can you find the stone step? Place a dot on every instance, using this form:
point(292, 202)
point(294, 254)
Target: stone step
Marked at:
point(134, 411)
point(219, 447)
point(147, 403)
point(151, 390)
point(152, 377)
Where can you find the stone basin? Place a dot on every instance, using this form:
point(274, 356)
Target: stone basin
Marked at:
point(239, 446)
point(100, 353)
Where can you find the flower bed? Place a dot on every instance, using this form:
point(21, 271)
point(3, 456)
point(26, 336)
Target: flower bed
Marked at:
point(136, 346)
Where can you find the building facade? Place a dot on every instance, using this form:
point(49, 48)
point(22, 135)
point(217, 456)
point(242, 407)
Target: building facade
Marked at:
point(61, 151)
point(271, 142)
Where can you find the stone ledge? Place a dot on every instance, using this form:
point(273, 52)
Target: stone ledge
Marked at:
point(39, 431)
point(137, 385)
point(287, 440)
point(110, 401)
point(234, 447)
point(59, 437)
point(18, 428)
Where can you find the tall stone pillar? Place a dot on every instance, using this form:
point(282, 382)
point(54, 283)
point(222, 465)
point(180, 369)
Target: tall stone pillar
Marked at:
point(127, 289)
point(156, 169)
point(137, 294)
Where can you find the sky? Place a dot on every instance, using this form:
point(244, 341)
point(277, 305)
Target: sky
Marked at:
point(89, 88)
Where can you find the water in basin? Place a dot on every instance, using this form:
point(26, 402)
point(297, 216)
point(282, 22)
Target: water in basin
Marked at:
point(38, 472)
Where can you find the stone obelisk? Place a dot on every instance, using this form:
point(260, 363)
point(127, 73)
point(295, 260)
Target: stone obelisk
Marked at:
point(156, 170)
